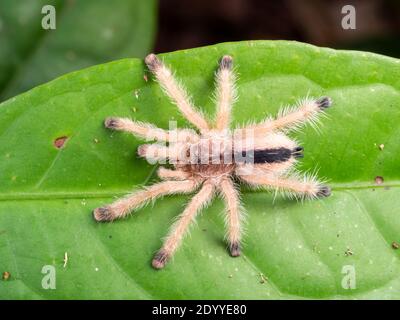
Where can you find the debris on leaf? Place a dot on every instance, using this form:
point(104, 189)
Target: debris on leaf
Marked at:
point(65, 259)
point(395, 245)
point(263, 278)
point(381, 146)
point(6, 275)
point(348, 252)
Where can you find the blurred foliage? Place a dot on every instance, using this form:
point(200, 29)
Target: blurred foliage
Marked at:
point(185, 24)
point(87, 32)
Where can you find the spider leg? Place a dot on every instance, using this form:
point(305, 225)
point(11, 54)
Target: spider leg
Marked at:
point(158, 153)
point(307, 110)
point(150, 132)
point(226, 93)
point(175, 91)
point(153, 152)
point(168, 174)
point(179, 228)
point(233, 215)
point(306, 188)
point(122, 207)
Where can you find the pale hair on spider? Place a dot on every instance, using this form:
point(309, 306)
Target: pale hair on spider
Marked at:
point(268, 153)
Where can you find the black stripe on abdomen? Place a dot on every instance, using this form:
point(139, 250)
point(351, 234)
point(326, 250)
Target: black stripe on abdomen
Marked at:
point(268, 155)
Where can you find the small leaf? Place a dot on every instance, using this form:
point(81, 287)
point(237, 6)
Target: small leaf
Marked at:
point(47, 194)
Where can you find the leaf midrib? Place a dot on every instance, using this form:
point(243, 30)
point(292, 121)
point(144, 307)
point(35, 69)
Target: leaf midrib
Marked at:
point(43, 195)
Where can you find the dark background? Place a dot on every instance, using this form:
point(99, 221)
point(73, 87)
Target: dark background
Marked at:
point(91, 32)
point(187, 24)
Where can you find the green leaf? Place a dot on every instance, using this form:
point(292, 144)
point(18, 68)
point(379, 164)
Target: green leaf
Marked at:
point(47, 194)
point(87, 32)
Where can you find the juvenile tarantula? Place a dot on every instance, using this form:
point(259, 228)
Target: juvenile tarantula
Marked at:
point(212, 159)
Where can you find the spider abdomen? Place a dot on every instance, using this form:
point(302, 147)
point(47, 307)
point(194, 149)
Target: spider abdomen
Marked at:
point(220, 149)
point(272, 155)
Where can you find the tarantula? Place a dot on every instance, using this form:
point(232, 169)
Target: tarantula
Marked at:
point(215, 158)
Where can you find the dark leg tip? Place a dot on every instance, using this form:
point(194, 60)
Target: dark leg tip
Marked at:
point(324, 102)
point(152, 62)
point(159, 260)
point(324, 191)
point(226, 62)
point(111, 123)
point(234, 249)
point(102, 214)
point(298, 152)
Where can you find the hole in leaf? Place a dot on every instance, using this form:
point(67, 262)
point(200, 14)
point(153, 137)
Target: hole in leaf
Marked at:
point(379, 180)
point(59, 142)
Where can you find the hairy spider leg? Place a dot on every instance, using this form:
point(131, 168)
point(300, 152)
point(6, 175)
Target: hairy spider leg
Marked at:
point(308, 187)
point(307, 110)
point(233, 215)
point(176, 92)
point(135, 200)
point(180, 227)
point(225, 93)
point(158, 153)
point(150, 132)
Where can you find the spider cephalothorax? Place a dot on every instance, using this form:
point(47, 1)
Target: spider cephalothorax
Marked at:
point(212, 159)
